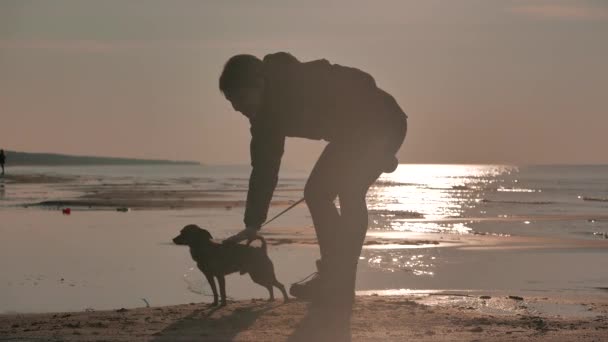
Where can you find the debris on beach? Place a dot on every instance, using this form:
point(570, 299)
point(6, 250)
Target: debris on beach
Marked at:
point(601, 234)
point(66, 211)
point(123, 209)
point(280, 241)
point(594, 199)
point(516, 297)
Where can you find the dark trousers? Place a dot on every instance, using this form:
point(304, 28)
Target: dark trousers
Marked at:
point(345, 170)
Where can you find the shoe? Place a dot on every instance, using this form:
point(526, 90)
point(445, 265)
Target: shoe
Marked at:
point(328, 286)
point(309, 288)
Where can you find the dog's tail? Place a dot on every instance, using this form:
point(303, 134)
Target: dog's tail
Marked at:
point(261, 238)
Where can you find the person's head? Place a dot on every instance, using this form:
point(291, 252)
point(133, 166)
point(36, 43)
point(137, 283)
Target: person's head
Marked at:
point(242, 83)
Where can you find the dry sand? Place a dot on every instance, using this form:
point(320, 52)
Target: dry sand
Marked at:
point(376, 318)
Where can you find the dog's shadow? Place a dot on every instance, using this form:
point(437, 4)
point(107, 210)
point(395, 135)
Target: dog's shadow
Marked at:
point(203, 325)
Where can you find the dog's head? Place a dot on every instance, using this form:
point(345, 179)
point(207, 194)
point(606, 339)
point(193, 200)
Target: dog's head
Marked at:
point(192, 234)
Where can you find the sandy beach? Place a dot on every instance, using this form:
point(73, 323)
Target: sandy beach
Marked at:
point(376, 318)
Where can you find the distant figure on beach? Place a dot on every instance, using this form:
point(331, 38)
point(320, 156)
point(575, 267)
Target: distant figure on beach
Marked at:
point(2, 160)
point(364, 127)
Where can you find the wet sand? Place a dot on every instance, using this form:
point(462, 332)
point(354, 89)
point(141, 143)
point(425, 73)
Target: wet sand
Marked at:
point(376, 318)
point(146, 203)
point(387, 239)
point(36, 179)
point(136, 196)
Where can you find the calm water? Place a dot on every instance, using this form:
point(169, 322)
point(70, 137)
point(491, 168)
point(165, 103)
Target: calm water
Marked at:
point(444, 196)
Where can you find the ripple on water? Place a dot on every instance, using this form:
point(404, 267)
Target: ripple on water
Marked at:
point(390, 260)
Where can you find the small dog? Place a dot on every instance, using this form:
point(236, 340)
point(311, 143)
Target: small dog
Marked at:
point(217, 260)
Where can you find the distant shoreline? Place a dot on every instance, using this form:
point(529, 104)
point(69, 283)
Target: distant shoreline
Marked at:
point(15, 158)
point(150, 163)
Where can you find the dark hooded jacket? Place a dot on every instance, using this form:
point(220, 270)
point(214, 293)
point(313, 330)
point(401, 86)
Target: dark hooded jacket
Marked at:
point(315, 100)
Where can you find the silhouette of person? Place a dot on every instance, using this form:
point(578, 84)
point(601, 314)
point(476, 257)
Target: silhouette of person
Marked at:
point(364, 127)
point(2, 160)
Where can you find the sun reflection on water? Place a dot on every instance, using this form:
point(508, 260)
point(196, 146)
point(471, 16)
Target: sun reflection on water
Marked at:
point(417, 200)
point(393, 261)
point(431, 192)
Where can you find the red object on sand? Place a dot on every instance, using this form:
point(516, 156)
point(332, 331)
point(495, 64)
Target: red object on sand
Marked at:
point(66, 211)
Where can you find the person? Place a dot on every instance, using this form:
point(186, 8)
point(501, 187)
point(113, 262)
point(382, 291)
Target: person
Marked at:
point(364, 127)
point(2, 160)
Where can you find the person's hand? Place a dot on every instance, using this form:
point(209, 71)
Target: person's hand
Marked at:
point(249, 234)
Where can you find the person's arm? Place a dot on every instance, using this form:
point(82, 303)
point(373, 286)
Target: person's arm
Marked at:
point(266, 149)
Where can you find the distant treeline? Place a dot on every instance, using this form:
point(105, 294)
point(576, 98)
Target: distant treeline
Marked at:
point(14, 158)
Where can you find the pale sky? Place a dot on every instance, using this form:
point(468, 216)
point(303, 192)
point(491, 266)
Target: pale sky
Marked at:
point(483, 81)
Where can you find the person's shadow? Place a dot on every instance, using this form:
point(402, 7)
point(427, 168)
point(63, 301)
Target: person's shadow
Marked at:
point(210, 325)
point(200, 325)
point(323, 326)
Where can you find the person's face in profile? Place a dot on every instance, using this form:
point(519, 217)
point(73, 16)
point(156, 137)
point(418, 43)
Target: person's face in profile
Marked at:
point(247, 100)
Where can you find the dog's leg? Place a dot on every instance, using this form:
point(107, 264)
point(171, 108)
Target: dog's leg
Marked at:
point(213, 288)
point(270, 292)
point(282, 288)
point(222, 281)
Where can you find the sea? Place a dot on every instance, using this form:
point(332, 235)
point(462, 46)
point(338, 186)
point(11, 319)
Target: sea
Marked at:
point(430, 192)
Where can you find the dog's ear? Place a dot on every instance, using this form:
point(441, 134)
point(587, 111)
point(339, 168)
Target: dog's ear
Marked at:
point(206, 234)
point(197, 232)
point(190, 227)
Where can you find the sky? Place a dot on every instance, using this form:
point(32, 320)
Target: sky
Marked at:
point(482, 81)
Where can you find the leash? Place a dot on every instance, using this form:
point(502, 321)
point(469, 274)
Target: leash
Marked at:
point(283, 212)
point(243, 234)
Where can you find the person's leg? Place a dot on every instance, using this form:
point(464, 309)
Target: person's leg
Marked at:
point(320, 193)
point(353, 209)
point(352, 230)
point(361, 162)
point(347, 168)
point(357, 172)
point(354, 171)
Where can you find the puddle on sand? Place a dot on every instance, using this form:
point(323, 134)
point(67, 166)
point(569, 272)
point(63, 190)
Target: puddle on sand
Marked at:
point(502, 305)
point(561, 310)
point(397, 292)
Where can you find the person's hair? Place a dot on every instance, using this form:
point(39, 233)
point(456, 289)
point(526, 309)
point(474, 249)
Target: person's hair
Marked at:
point(240, 71)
